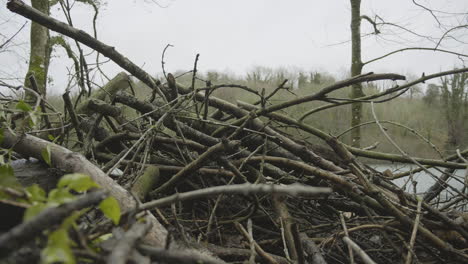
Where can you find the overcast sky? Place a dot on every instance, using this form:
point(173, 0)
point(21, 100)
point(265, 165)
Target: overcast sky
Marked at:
point(234, 36)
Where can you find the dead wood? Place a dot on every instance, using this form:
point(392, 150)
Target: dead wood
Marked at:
point(228, 181)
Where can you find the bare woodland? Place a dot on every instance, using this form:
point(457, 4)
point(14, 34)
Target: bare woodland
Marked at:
point(199, 179)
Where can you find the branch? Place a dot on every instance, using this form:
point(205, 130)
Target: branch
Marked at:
point(178, 256)
point(240, 189)
point(19, 7)
point(356, 151)
point(429, 10)
point(322, 93)
point(386, 92)
point(26, 231)
point(446, 33)
point(415, 48)
point(194, 165)
point(124, 246)
point(376, 31)
point(365, 258)
point(13, 36)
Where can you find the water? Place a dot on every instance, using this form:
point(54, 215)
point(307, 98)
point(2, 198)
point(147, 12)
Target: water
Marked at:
point(423, 179)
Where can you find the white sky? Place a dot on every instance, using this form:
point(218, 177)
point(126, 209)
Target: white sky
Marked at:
point(237, 35)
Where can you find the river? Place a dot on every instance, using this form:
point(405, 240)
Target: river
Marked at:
point(423, 179)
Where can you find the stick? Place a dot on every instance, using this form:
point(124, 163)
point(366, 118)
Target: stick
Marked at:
point(244, 189)
point(409, 257)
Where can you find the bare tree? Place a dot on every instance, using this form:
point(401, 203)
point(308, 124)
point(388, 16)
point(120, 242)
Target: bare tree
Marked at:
point(449, 32)
point(356, 69)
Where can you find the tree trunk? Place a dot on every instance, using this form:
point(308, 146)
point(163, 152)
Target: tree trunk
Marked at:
point(40, 53)
point(356, 69)
point(453, 100)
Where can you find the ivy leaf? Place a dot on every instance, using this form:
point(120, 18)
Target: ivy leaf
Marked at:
point(32, 211)
point(36, 193)
point(45, 153)
point(111, 209)
point(60, 196)
point(7, 176)
point(21, 105)
point(58, 248)
point(77, 181)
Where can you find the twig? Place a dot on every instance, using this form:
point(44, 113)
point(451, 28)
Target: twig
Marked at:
point(411, 130)
point(123, 248)
point(345, 229)
point(365, 258)
point(415, 48)
point(241, 189)
point(73, 117)
point(251, 241)
point(409, 256)
point(429, 10)
point(259, 249)
point(404, 153)
point(277, 89)
point(356, 151)
point(286, 222)
point(312, 250)
point(162, 60)
point(178, 256)
point(368, 77)
point(13, 36)
point(191, 167)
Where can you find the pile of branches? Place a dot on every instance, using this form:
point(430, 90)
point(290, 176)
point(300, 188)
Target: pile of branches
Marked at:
point(200, 179)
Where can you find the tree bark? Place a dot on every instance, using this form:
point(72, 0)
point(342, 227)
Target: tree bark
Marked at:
point(39, 57)
point(356, 69)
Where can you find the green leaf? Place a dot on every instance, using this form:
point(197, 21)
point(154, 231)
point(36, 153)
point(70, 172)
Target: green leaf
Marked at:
point(1, 135)
point(60, 196)
point(36, 193)
point(58, 248)
point(77, 181)
point(45, 153)
point(33, 117)
point(71, 220)
point(21, 105)
point(101, 238)
point(111, 209)
point(2, 116)
point(51, 137)
point(32, 211)
point(7, 176)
